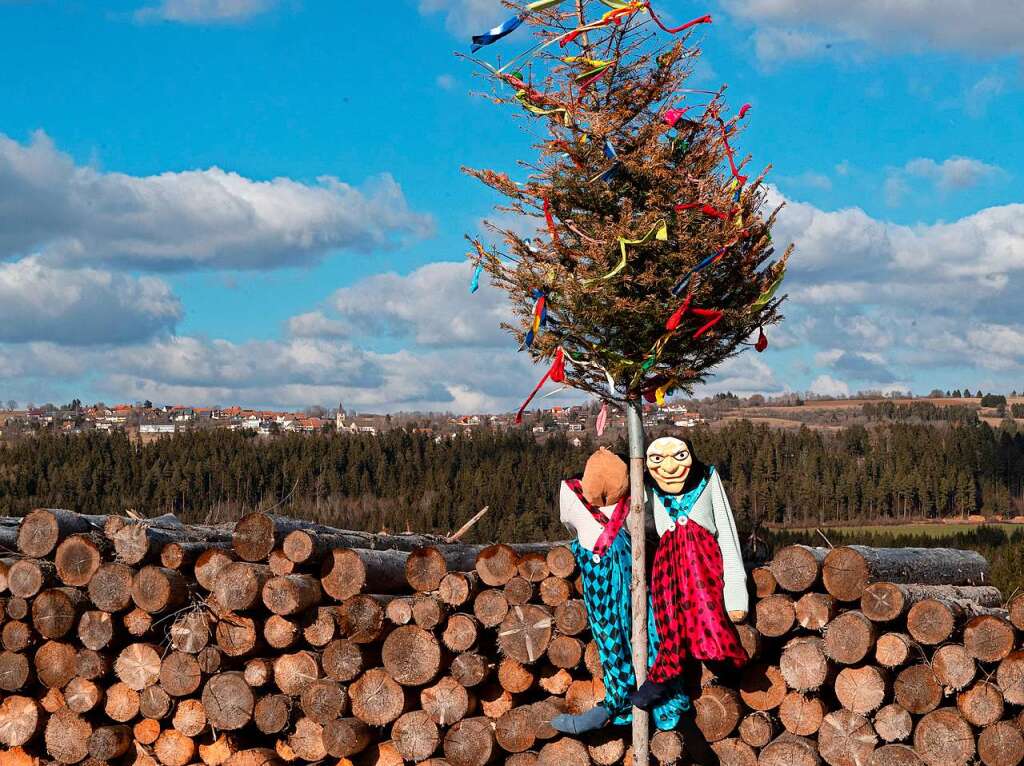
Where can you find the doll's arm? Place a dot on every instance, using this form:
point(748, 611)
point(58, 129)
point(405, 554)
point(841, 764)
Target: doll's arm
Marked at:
point(567, 501)
point(735, 576)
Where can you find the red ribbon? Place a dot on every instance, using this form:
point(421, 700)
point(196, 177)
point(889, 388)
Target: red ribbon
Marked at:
point(714, 316)
point(708, 210)
point(556, 373)
point(674, 30)
point(728, 152)
point(551, 221)
point(762, 341)
point(743, 111)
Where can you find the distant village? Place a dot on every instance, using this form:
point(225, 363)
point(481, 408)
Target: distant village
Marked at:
point(146, 422)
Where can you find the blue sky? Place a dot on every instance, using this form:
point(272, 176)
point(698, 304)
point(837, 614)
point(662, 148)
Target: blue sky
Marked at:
point(260, 201)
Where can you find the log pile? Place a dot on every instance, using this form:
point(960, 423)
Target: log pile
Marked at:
point(275, 641)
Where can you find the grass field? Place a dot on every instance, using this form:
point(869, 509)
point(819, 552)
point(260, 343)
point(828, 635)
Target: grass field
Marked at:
point(924, 530)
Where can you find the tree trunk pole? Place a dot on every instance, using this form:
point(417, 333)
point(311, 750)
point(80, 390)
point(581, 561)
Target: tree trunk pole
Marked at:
point(638, 583)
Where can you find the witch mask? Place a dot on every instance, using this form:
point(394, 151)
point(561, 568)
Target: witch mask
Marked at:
point(669, 461)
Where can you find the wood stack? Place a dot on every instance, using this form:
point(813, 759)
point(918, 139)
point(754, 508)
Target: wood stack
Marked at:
point(275, 641)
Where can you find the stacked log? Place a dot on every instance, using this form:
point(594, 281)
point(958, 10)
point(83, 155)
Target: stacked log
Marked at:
point(275, 641)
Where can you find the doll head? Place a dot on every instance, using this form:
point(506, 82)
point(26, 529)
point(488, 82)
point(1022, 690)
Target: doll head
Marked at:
point(605, 478)
point(672, 465)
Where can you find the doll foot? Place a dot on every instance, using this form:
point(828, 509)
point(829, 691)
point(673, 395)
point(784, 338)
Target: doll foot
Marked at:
point(648, 695)
point(593, 719)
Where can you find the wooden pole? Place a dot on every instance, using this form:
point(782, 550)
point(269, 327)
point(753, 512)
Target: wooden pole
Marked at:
point(638, 584)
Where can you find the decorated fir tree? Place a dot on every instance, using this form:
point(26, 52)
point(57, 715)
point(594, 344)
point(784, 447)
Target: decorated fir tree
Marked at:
point(654, 260)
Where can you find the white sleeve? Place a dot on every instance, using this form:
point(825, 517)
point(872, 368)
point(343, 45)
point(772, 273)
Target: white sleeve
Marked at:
point(567, 500)
point(734, 573)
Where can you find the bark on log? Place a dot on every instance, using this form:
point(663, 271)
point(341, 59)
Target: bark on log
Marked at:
point(933, 620)
point(847, 571)
point(887, 601)
point(43, 529)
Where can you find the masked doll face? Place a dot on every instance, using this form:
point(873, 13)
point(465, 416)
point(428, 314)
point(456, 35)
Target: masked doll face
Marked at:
point(669, 462)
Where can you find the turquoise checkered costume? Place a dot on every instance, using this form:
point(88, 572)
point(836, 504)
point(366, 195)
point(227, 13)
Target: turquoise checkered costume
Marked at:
point(607, 598)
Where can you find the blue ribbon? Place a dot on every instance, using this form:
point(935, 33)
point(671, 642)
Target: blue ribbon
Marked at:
point(493, 35)
point(474, 285)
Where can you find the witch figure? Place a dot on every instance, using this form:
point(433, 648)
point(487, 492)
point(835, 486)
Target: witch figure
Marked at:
point(698, 583)
point(594, 508)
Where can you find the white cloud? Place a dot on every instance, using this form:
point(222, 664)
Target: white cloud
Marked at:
point(204, 11)
point(464, 18)
point(954, 173)
point(774, 45)
point(199, 219)
point(826, 385)
point(995, 27)
point(315, 324)
point(978, 96)
point(431, 306)
point(81, 306)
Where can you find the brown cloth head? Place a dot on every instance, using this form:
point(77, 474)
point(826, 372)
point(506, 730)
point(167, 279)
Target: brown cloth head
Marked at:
point(605, 478)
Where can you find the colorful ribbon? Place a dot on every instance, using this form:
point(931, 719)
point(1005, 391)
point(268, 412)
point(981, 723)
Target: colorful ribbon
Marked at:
point(496, 33)
point(602, 419)
point(555, 373)
point(713, 258)
point(682, 28)
point(706, 209)
point(540, 316)
point(768, 294)
point(474, 284)
point(550, 219)
point(658, 232)
point(714, 317)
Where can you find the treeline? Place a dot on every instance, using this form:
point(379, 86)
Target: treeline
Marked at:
point(923, 411)
point(399, 479)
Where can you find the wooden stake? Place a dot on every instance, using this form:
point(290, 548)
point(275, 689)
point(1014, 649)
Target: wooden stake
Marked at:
point(638, 581)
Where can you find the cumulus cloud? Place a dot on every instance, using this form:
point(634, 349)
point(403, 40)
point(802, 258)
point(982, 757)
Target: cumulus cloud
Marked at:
point(431, 307)
point(885, 300)
point(204, 11)
point(826, 385)
point(792, 27)
point(464, 18)
point(81, 306)
point(954, 173)
point(199, 219)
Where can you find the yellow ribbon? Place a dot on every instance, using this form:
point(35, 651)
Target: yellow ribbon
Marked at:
point(658, 232)
point(659, 393)
point(767, 295)
point(543, 5)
